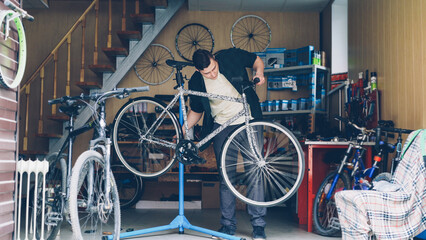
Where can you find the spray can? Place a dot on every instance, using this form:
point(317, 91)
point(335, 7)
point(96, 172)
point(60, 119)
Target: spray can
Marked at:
point(373, 81)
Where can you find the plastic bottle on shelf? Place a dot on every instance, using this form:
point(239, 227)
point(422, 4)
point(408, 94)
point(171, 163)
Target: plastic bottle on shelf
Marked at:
point(373, 81)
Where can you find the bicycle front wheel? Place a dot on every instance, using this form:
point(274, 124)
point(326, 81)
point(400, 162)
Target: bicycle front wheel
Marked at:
point(93, 213)
point(48, 205)
point(326, 219)
point(143, 132)
point(268, 174)
point(129, 186)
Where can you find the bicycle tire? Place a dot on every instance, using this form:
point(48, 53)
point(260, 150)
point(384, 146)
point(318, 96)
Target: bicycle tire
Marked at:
point(53, 204)
point(98, 220)
point(251, 33)
point(151, 67)
point(325, 216)
point(276, 177)
point(12, 68)
point(129, 186)
point(192, 37)
point(130, 124)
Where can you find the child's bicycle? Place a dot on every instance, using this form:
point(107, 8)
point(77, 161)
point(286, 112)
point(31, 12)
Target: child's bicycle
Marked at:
point(262, 162)
point(87, 197)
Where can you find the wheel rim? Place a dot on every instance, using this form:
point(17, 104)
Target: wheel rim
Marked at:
point(325, 211)
point(94, 220)
point(192, 37)
point(251, 33)
point(143, 156)
point(12, 69)
point(268, 181)
point(151, 67)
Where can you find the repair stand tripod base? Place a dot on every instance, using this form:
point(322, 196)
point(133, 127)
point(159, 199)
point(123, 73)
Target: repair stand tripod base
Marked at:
point(180, 222)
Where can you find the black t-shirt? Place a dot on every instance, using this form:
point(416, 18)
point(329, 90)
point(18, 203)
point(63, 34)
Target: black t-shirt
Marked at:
point(232, 64)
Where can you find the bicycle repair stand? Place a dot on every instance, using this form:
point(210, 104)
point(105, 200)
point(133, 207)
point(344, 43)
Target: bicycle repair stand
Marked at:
point(180, 222)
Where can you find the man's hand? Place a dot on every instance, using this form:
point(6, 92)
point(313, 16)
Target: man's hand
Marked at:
point(258, 66)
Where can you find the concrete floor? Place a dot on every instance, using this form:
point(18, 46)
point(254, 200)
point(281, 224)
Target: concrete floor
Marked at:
point(280, 225)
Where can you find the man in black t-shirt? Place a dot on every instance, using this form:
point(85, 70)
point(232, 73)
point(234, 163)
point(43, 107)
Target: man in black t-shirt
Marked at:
point(215, 75)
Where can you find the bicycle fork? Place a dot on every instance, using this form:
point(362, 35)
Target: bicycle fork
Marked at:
point(340, 171)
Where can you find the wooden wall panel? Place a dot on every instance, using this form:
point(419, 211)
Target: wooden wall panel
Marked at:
point(388, 37)
point(8, 146)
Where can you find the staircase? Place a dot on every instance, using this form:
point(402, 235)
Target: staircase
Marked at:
point(122, 58)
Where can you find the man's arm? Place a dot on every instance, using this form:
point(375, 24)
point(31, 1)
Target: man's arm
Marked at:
point(258, 66)
point(192, 118)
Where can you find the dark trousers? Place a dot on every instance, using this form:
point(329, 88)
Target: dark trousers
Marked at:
point(227, 199)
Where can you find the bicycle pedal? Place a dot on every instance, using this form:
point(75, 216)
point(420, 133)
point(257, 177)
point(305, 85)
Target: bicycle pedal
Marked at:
point(90, 231)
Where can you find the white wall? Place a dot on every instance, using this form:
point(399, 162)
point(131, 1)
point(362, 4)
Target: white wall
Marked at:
point(339, 36)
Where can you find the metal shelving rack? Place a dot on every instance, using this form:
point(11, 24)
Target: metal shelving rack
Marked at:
point(296, 70)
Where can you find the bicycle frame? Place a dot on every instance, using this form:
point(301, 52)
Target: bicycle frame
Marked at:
point(180, 95)
point(357, 172)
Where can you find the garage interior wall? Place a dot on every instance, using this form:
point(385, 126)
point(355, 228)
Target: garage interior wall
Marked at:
point(289, 30)
point(389, 37)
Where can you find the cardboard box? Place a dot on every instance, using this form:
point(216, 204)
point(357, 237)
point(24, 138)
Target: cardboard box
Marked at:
point(210, 195)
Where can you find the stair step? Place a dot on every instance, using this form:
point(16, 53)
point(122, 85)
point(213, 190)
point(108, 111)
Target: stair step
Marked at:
point(99, 69)
point(142, 18)
point(126, 36)
point(86, 85)
point(48, 135)
point(58, 117)
point(157, 3)
point(112, 53)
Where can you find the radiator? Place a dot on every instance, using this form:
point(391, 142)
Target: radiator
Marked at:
point(37, 171)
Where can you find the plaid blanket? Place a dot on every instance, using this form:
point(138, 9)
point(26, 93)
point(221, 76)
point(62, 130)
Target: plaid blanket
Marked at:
point(397, 214)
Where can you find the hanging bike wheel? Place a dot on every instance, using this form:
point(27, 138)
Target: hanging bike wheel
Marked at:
point(251, 33)
point(192, 37)
point(151, 67)
point(12, 67)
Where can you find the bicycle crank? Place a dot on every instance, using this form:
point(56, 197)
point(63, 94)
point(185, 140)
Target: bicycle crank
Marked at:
point(187, 153)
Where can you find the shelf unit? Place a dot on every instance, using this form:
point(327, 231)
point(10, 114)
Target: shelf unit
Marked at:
point(313, 72)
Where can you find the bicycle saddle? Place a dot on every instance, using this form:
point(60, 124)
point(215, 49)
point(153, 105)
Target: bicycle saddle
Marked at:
point(69, 110)
point(177, 64)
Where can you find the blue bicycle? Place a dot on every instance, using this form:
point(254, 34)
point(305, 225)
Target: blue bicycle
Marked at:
point(351, 174)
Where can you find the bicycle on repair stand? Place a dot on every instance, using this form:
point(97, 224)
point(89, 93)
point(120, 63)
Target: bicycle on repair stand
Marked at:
point(258, 156)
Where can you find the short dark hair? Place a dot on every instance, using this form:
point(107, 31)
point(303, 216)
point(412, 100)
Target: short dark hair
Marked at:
point(201, 58)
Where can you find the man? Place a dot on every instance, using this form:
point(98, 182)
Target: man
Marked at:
point(216, 74)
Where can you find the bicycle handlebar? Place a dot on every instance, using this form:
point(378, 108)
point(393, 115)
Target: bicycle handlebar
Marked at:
point(347, 122)
point(21, 11)
point(120, 92)
point(396, 130)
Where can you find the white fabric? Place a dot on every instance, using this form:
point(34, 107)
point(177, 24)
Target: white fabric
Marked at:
point(222, 110)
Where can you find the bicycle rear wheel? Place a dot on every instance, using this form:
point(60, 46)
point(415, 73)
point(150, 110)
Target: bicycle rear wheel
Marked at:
point(91, 215)
point(151, 68)
point(129, 186)
point(325, 217)
point(12, 67)
point(265, 180)
point(251, 33)
point(143, 132)
point(51, 209)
